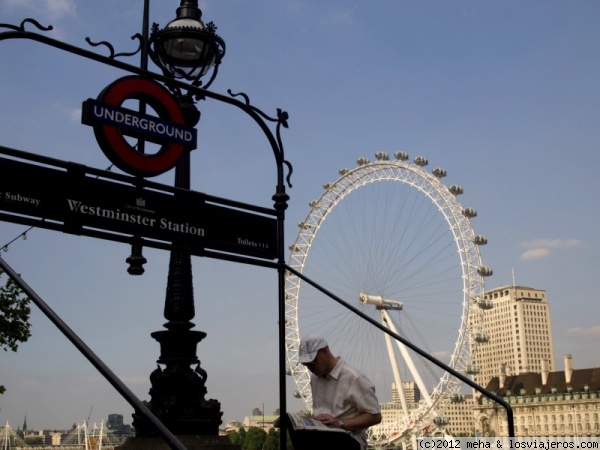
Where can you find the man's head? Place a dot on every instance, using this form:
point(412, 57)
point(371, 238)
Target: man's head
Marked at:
point(315, 355)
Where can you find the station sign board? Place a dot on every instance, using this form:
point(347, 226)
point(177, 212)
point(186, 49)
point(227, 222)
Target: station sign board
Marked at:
point(76, 202)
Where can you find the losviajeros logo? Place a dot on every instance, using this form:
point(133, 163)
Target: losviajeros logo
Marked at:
point(112, 122)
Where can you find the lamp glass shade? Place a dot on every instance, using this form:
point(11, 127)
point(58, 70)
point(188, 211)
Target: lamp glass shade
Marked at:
point(187, 44)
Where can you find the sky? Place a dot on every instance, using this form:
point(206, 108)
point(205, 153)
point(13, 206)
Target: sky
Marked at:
point(503, 95)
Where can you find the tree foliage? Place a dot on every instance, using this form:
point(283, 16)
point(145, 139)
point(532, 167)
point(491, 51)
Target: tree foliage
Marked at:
point(14, 316)
point(237, 437)
point(257, 439)
point(272, 441)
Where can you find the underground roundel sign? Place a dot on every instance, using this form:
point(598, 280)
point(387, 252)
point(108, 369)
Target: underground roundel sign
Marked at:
point(112, 122)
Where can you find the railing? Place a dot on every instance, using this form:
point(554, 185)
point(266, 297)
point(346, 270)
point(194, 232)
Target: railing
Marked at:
point(440, 364)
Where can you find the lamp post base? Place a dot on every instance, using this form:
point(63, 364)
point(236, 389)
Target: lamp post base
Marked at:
point(178, 392)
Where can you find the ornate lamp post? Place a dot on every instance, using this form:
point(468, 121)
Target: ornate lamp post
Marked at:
point(185, 49)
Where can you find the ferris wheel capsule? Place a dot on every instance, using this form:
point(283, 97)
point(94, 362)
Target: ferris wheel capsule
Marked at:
point(458, 398)
point(469, 213)
point(485, 303)
point(481, 337)
point(485, 271)
point(439, 172)
point(455, 189)
point(479, 240)
point(439, 421)
point(421, 161)
point(472, 369)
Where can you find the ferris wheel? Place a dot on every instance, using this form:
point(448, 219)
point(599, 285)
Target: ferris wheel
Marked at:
point(392, 240)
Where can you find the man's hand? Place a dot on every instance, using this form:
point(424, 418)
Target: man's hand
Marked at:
point(362, 421)
point(328, 420)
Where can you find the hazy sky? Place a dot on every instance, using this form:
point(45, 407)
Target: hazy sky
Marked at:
point(503, 95)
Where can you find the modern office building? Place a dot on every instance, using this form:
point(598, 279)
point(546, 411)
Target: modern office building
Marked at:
point(411, 392)
point(519, 333)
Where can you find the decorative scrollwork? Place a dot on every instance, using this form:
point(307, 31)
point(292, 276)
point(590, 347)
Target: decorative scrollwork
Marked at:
point(140, 39)
point(108, 45)
point(288, 178)
point(281, 120)
point(240, 94)
point(22, 26)
point(111, 49)
point(282, 116)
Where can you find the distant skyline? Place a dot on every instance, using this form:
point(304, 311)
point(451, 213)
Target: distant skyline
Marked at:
point(503, 95)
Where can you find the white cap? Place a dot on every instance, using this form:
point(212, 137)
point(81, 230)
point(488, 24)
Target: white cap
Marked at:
point(309, 346)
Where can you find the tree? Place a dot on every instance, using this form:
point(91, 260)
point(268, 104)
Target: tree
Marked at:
point(255, 439)
point(237, 437)
point(14, 317)
point(272, 441)
point(34, 441)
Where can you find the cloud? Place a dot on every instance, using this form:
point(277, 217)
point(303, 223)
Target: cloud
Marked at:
point(590, 332)
point(52, 9)
point(136, 380)
point(441, 355)
point(554, 244)
point(536, 253)
point(75, 115)
point(541, 248)
point(344, 16)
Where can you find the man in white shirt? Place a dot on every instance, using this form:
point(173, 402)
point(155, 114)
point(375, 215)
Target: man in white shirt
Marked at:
point(342, 396)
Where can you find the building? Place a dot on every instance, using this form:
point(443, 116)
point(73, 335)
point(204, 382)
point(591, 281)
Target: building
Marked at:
point(231, 426)
point(117, 427)
point(459, 414)
point(519, 333)
point(411, 392)
point(552, 404)
point(517, 363)
point(260, 421)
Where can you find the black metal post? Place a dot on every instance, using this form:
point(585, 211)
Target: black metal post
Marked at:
point(136, 260)
point(178, 392)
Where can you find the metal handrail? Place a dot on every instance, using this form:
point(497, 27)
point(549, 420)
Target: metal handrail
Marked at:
point(424, 354)
point(110, 376)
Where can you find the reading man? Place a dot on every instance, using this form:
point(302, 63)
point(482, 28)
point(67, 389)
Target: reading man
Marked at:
point(342, 396)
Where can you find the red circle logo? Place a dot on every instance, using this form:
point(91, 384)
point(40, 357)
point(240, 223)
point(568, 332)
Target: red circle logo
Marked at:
point(111, 123)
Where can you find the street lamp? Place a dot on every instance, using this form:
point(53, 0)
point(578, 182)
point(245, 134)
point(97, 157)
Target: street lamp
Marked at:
point(187, 48)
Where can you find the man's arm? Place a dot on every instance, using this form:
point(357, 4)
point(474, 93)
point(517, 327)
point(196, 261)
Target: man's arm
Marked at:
point(360, 422)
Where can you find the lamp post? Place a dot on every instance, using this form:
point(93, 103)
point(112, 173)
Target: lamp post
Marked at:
point(185, 49)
